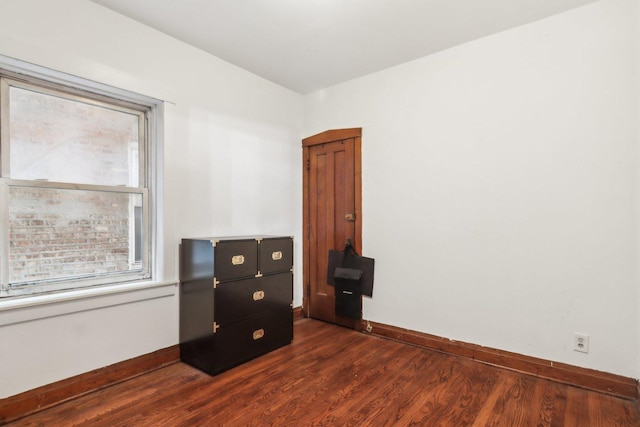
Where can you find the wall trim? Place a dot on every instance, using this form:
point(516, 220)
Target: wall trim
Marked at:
point(331, 135)
point(38, 399)
point(297, 313)
point(616, 385)
point(28, 308)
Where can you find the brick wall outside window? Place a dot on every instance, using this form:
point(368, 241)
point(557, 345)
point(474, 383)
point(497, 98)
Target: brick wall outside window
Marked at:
point(56, 233)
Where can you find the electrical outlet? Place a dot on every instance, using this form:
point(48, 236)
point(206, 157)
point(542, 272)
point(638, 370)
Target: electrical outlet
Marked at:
point(581, 342)
point(369, 328)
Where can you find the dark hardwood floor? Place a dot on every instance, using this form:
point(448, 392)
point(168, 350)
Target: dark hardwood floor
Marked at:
point(332, 376)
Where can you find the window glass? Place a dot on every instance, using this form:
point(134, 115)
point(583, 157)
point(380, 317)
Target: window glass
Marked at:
point(66, 140)
point(60, 233)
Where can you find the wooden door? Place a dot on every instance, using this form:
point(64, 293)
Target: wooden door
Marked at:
point(332, 213)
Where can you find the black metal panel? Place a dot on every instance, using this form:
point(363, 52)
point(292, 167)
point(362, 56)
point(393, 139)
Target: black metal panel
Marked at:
point(276, 255)
point(236, 259)
point(349, 259)
point(348, 298)
point(196, 260)
point(243, 298)
point(196, 324)
point(249, 338)
point(200, 353)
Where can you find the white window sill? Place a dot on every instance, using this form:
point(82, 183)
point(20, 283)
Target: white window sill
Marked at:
point(24, 309)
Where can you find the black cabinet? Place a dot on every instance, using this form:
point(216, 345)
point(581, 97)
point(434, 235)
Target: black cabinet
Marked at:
point(235, 299)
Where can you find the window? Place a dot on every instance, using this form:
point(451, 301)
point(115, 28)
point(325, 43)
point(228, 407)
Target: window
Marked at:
point(74, 187)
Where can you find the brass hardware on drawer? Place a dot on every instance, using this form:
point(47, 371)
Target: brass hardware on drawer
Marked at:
point(258, 295)
point(257, 334)
point(215, 327)
point(237, 260)
point(276, 256)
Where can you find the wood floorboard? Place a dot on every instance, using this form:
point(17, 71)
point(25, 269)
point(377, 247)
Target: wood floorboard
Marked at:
point(553, 406)
point(333, 376)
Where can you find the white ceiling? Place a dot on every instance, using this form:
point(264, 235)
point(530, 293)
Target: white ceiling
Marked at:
point(306, 45)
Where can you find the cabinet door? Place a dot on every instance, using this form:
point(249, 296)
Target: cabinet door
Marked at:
point(276, 255)
point(236, 259)
point(243, 298)
point(251, 337)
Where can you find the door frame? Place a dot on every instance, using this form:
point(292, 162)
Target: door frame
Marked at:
point(324, 138)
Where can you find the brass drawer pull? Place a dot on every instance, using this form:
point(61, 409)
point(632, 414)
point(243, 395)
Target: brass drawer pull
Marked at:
point(237, 260)
point(258, 295)
point(276, 256)
point(257, 334)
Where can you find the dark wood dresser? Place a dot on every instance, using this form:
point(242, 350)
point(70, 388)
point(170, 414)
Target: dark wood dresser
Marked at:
point(236, 298)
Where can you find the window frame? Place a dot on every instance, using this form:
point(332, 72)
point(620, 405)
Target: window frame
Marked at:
point(31, 77)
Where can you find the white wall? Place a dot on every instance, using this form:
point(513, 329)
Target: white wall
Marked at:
point(232, 167)
point(499, 177)
point(637, 205)
point(499, 187)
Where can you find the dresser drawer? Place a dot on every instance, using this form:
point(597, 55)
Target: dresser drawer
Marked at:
point(241, 341)
point(235, 259)
point(276, 255)
point(239, 299)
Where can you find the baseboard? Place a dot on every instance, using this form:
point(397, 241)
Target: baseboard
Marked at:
point(40, 398)
point(603, 382)
point(23, 404)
